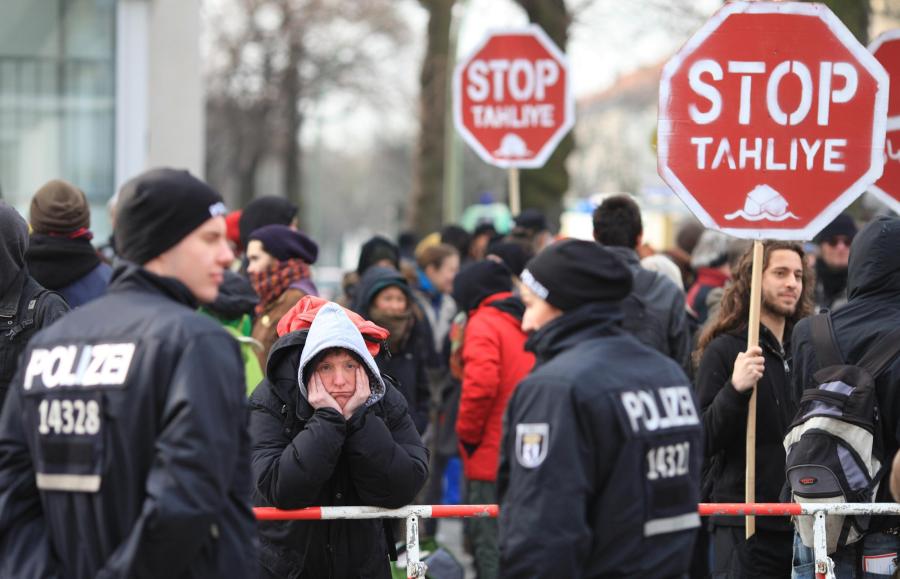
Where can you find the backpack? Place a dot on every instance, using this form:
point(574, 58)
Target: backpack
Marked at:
point(639, 320)
point(834, 446)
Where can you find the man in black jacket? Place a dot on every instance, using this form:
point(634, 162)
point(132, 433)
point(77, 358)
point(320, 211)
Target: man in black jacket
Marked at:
point(871, 312)
point(25, 305)
point(601, 454)
point(328, 429)
point(124, 450)
point(655, 311)
point(725, 380)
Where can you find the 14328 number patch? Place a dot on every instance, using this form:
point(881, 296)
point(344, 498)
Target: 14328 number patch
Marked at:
point(668, 461)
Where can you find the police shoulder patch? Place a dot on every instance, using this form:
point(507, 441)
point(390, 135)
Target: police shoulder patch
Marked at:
point(532, 441)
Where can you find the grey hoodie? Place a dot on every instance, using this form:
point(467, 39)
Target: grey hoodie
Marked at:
point(332, 328)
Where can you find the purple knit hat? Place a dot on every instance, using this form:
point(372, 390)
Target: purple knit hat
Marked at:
point(284, 243)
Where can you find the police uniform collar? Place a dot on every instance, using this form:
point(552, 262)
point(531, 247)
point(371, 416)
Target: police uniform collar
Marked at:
point(587, 321)
point(128, 276)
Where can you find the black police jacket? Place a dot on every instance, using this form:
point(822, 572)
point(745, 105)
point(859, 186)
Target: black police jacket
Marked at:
point(303, 457)
point(601, 457)
point(124, 450)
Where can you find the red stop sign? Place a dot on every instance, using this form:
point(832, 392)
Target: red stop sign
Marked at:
point(512, 100)
point(886, 49)
point(771, 120)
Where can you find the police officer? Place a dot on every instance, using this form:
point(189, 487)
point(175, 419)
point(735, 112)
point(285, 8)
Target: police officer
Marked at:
point(123, 443)
point(601, 456)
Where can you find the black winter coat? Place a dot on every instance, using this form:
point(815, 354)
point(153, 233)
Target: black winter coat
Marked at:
point(304, 457)
point(124, 450)
point(872, 311)
point(20, 319)
point(725, 420)
point(600, 457)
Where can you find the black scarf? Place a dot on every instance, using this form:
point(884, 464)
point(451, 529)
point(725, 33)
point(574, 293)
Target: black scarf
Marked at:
point(832, 281)
point(56, 262)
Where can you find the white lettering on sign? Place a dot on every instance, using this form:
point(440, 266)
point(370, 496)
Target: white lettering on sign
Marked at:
point(705, 72)
point(511, 86)
point(643, 408)
point(522, 79)
point(801, 152)
point(97, 365)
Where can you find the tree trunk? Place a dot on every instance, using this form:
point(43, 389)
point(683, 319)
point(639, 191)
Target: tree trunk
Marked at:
point(854, 14)
point(544, 188)
point(425, 207)
point(293, 125)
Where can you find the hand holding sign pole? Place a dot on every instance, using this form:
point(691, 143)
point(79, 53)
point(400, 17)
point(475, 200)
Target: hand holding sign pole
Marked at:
point(512, 101)
point(771, 122)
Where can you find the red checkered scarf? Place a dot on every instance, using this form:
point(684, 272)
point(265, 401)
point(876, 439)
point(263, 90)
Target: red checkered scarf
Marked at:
point(276, 279)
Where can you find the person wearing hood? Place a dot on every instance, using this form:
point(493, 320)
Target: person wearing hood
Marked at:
point(713, 270)
point(377, 251)
point(494, 361)
point(25, 305)
point(832, 262)
point(329, 429)
point(124, 449)
point(592, 482)
point(871, 313)
point(384, 296)
point(60, 255)
point(233, 308)
point(278, 260)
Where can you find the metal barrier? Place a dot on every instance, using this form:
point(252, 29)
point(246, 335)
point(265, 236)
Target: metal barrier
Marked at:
point(415, 569)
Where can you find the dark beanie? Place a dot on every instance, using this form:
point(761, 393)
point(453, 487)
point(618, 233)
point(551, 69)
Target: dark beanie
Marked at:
point(532, 219)
point(284, 243)
point(514, 254)
point(574, 272)
point(842, 225)
point(262, 211)
point(479, 280)
point(159, 208)
point(59, 207)
point(375, 250)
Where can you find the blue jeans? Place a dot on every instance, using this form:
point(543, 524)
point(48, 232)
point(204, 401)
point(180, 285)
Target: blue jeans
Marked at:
point(876, 551)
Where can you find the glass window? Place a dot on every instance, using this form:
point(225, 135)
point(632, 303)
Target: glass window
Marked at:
point(57, 99)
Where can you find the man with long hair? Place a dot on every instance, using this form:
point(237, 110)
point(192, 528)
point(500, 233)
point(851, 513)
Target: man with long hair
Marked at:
point(727, 373)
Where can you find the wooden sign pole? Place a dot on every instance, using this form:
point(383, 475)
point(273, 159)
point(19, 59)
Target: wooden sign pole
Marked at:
point(515, 204)
point(753, 341)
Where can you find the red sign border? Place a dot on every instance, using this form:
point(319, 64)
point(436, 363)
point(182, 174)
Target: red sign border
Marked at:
point(893, 123)
point(569, 108)
point(866, 60)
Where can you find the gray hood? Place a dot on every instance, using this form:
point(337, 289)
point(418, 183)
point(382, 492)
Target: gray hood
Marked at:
point(13, 243)
point(331, 328)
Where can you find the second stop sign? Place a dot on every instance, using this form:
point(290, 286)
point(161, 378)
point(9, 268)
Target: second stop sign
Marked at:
point(772, 120)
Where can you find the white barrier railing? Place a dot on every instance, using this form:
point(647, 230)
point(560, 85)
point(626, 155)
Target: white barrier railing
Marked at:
point(415, 569)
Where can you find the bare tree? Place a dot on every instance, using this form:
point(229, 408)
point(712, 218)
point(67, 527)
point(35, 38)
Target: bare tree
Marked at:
point(273, 60)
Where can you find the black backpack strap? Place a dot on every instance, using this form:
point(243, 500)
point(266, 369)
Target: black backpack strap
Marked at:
point(882, 354)
point(827, 352)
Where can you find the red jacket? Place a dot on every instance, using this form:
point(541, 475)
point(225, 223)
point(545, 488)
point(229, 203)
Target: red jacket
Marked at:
point(494, 362)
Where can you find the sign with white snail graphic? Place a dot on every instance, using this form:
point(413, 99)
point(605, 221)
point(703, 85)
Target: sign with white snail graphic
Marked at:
point(512, 99)
point(771, 120)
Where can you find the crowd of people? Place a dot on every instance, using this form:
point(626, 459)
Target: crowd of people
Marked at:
point(154, 390)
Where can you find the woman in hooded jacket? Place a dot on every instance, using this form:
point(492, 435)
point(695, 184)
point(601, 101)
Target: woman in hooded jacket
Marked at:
point(384, 296)
point(328, 429)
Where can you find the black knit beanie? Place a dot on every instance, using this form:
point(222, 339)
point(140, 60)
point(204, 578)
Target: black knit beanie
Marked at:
point(479, 280)
point(574, 272)
point(159, 208)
